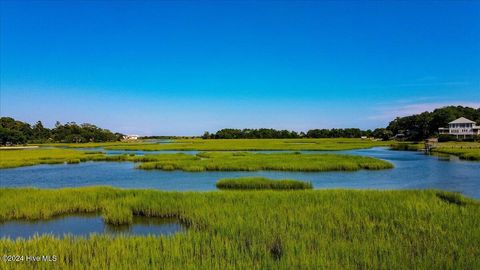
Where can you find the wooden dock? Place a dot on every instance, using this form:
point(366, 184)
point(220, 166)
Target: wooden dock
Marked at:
point(429, 144)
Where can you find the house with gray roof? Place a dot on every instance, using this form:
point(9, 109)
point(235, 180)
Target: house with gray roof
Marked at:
point(461, 128)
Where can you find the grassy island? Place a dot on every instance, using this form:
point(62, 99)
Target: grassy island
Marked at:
point(244, 161)
point(206, 161)
point(335, 229)
point(245, 183)
point(29, 157)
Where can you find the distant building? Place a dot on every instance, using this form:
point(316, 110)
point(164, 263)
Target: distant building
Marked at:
point(131, 137)
point(462, 128)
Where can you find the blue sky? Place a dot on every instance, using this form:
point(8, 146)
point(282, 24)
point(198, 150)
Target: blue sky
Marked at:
point(181, 68)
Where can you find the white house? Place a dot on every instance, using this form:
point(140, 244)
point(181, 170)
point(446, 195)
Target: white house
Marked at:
point(462, 127)
point(130, 137)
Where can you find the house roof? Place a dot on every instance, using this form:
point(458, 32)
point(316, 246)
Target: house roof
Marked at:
point(462, 120)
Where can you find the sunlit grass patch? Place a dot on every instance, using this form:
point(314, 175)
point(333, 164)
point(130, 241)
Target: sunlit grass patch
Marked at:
point(228, 161)
point(308, 229)
point(255, 144)
point(464, 150)
point(18, 158)
point(245, 183)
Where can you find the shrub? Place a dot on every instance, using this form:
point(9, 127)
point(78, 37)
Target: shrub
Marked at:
point(446, 138)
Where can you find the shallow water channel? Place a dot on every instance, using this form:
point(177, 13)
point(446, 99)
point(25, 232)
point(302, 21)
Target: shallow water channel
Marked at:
point(413, 170)
point(87, 224)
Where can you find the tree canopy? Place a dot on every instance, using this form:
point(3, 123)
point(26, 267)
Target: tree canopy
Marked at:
point(17, 132)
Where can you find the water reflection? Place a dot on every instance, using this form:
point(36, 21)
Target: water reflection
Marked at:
point(86, 224)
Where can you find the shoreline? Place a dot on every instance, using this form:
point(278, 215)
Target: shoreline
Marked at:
point(18, 147)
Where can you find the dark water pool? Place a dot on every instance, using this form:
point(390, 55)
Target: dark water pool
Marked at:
point(413, 170)
point(86, 224)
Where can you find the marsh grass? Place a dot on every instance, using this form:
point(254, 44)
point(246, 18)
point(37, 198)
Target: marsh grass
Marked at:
point(254, 145)
point(464, 150)
point(243, 161)
point(91, 144)
point(454, 198)
point(18, 158)
point(245, 183)
point(117, 214)
point(310, 229)
point(205, 161)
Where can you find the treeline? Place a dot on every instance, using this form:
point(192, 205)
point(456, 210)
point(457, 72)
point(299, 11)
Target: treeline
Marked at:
point(415, 128)
point(266, 133)
point(425, 125)
point(338, 133)
point(17, 132)
point(262, 133)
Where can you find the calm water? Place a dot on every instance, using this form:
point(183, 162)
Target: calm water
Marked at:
point(84, 225)
point(413, 170)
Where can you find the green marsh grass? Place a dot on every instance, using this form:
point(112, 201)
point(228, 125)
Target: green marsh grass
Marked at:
point(18, 158)
point(205, 161)
point(91, 144)
point(254, 144)
point(244, 183)
point(309, 229)
point(244, 161)
point(464, 150)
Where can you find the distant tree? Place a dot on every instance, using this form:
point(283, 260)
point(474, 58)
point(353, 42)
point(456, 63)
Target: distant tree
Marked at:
point(9, 136)
point(12, 124)
point(17, 132)
point(119, 136)
point(40, 133)
point(262, 133)
point(268, 133)
point(382, 133)
point(367, 133)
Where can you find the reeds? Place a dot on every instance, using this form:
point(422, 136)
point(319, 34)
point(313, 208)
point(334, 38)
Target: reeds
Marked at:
point(117, 214)
point(310, 229)
point(254, 144)
point(464, 150)
point(227, 161)
point(206, 161)
point(245, 183)
point(19, 158)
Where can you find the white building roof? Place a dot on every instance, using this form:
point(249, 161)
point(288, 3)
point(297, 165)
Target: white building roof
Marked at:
point(462, 120)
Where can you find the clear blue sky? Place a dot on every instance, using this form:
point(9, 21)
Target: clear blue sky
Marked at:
point(181, 68)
